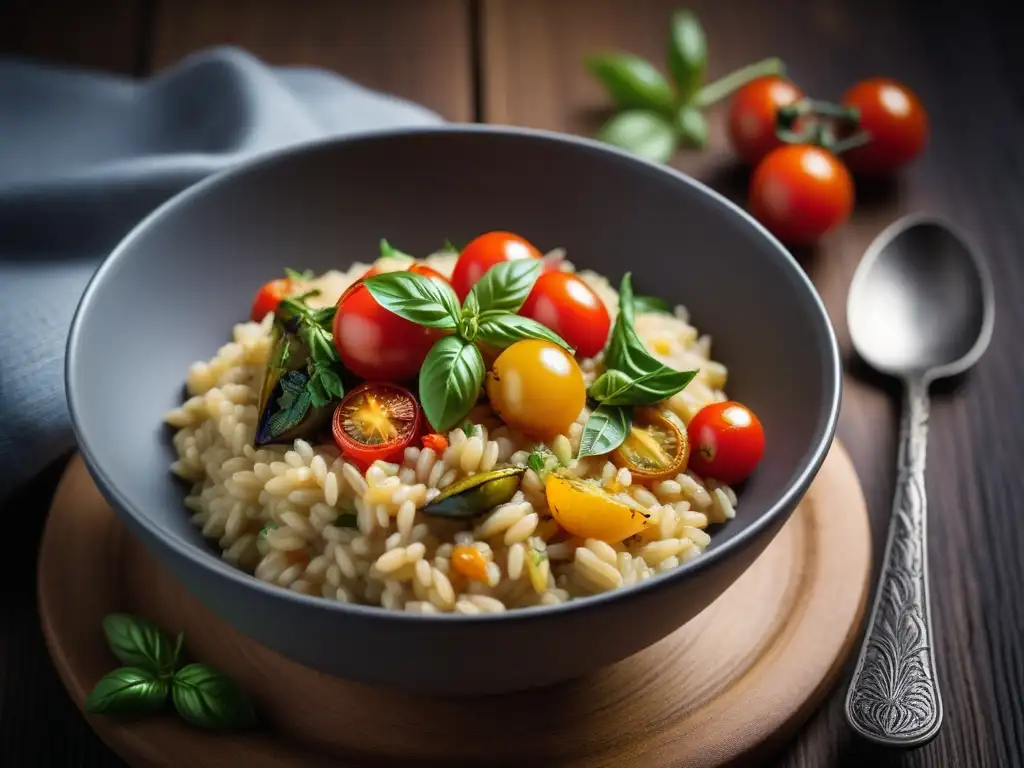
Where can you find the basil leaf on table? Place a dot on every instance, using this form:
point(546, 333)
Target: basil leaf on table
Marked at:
point(209, 699)
point(139, 643)
point(605, 430)
point(127, 691)
point(632, 82)
point(614, 387)
point(505, 286)
point(501, 330)
point(642, 132)
point(651, 304)
point(416, 298)
point(687, 54)
point(693, 126)
point(450, 381)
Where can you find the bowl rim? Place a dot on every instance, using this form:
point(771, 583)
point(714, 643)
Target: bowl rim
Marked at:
point(217, 568)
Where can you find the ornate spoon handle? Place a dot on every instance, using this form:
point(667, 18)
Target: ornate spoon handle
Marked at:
point(894, 695)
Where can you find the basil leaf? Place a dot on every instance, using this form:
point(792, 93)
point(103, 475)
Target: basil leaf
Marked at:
point(209, 699)
point(693, 127)
point(504, 329)
point(127, 691)
point(505, 286)
point(300, 277)
point(651, 304)
point(632, 82)
point(471, 306)
point(388, 251)
point(687, 54)
point(139, 643)
point(605, 430)
point(616, 388)
point(267, 529)
point(292, 405)
point(626, 308)
point(416, 298)
point(644, 133)
point(449, 246)
point(450, 381)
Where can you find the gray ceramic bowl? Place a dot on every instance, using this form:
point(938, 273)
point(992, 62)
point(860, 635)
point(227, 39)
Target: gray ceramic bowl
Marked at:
point(171, 291)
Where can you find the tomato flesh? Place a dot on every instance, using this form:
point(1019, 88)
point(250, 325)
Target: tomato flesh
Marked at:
point(376, 421)
point(753, 114)
point(800, 192)
point(375, 343)
point(727, 442)
point(567, 305)
point(483, 253)
point(654, 449)
point(896, 120)
point(268, 297)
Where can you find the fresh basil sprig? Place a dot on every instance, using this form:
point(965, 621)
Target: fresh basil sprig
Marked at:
point(655, 115)
point(202, 695)
point(453, 371)
point(314, 328)
point(633, 376)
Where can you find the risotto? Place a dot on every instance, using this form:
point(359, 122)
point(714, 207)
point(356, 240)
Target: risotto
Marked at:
point(461, 434)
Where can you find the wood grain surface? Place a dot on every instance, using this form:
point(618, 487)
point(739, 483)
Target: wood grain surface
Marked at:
point(728, 686)
point(521, 64)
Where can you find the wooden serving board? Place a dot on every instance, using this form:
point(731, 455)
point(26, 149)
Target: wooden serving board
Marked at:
point(736, 681)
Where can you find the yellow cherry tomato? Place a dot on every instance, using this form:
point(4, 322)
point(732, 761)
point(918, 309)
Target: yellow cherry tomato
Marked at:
point(655, 447)
point(537, 387)
point(589, 512)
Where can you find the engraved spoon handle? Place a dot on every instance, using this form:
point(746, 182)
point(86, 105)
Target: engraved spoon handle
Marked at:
point(894, 695)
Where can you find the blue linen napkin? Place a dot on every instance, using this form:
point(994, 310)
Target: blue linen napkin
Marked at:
point(84, 156)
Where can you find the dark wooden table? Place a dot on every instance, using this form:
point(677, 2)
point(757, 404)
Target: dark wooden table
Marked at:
point(518, 62)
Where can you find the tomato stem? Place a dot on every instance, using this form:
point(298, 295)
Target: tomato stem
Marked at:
point(719, 89)
point(858, 139)
point(809, 121)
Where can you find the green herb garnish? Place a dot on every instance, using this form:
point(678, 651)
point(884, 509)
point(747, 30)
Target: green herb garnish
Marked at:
point(202, 695)
point(633, 376)
point(541, 460)
point(299, 277)
point(313, 328)
point(388, 251)
point(656, 115)
point(453, 371)
point(449, 246)
point(651, 304)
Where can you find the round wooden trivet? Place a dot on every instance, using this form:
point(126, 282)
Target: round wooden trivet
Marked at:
point(737, 680)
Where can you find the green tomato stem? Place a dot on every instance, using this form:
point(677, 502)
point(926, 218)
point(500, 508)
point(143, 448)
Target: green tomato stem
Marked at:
point(719, 89)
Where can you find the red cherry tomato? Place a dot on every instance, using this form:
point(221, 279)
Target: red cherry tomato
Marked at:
point(752, 115)
point(896, 120)
point(800, 192)
point(419, 269)
point(483, 253)
point(375, 343)
point(376, 421)
point(726, 442)
point(268, 297)
point(568, 306)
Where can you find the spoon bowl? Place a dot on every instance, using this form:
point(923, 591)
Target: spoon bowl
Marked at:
point(920, 308)
point(921, 303)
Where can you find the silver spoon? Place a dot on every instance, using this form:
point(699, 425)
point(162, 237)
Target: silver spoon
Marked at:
point(921, 308)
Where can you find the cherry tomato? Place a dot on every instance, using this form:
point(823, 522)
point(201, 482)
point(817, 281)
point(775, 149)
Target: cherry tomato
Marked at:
point(752, 115)
point(800, 192)
point(483, 253)
point(655, 447)
point(537, 387)
point(419, 269)
point(568, 306)
point(590, 512)
point(375, 343)
point(376, 421)
point(896, 120)
point(727, 440)
point(268, 297)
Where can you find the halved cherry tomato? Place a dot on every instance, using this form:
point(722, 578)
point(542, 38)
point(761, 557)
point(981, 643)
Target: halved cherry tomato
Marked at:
point(567, 305)
point(268, 297)
point(800, 192)
point(752, 115)
point(655, 447)
point(537, 387)
point(375, 343)
point(896, 120)
point(590, 512)
point(483, 253)
point(727, 440)
point(376, 421)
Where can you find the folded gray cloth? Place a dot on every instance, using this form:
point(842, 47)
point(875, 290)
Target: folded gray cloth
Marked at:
point(84, 156)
